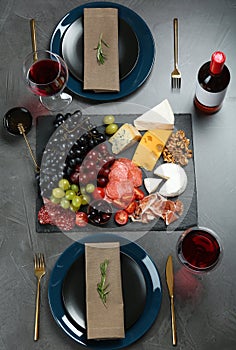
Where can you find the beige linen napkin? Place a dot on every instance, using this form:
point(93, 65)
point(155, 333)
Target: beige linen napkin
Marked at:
point(101, 77)
point(104, 320)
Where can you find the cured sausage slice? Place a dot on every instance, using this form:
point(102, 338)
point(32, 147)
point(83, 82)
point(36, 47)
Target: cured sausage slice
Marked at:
point(119, 189)
point(125, 169)
point(119, 171)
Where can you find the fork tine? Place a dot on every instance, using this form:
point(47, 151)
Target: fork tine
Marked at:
point(42, 261)
point(173, 83)
point(35, 261)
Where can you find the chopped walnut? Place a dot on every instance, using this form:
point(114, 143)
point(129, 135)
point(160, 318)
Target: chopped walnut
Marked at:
point(177, 149)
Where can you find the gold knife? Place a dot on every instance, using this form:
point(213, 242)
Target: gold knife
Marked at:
point(170, 284)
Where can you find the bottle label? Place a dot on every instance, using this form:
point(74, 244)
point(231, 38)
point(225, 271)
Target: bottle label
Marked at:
point(210, 99)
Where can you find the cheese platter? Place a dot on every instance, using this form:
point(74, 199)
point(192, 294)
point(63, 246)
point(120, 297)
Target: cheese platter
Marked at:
point(168, 187)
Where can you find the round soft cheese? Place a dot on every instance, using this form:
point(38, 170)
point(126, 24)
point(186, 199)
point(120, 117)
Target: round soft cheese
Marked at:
point(176, 179)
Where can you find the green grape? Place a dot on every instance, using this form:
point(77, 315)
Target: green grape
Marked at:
point(90, 188)
point(74, 187)
point(111, 129)
point(55, 200)
point(64, 184)
point(73, 208)
point(77, 201)
point(58, 192)
point(108, 119)
point(82, 190)
point(85, 199)
point(65, 203)
point(70, 194)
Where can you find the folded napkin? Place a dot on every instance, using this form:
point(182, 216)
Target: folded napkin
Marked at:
point(105, 316)
point(101, 25)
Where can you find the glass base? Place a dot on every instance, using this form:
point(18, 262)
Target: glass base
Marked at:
point(56, 103)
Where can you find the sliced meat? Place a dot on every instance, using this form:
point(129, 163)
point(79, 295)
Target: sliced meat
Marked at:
point(112, 189)
point(119, 171)
point(135, 175)
point(119, 189)
point(155, 206)
point(170, 217)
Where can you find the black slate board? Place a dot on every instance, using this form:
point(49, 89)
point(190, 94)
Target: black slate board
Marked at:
point(45, 130)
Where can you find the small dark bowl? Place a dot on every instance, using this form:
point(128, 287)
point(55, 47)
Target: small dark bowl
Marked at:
point(16, 116)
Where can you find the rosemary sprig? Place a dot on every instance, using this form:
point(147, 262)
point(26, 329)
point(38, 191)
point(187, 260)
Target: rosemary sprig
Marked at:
point(102, 286)
point(101, 57)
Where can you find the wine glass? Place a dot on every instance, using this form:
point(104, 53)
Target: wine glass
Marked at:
point(199, 249)
point(46, 75)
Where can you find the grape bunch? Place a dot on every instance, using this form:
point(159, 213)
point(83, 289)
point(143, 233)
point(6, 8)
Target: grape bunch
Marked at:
point(86, 158)
point(69, 196)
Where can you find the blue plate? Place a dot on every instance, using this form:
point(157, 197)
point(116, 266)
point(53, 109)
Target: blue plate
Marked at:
point(153, 292)
point(145, 59)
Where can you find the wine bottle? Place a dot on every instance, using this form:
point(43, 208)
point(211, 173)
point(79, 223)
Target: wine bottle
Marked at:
point(212, 82)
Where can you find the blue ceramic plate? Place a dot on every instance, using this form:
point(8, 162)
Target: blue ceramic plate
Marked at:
point(134, 262)
point(143, 64)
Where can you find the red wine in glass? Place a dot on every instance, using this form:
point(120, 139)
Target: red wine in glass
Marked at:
point(46, 76)
point(199, 249)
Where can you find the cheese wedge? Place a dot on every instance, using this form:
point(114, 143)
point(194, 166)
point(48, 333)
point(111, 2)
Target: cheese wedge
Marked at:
point(176, 179)
point(150, 148)
point(126, 136)
point(159, 117)
point(151, 184)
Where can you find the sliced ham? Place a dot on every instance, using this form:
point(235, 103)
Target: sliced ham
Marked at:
point(155, 206)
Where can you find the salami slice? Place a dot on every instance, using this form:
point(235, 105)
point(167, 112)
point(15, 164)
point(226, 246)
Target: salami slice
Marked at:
point(119, 171)
point(135, 175)
point(123, 169)
point(119, 189)
point(112, 189)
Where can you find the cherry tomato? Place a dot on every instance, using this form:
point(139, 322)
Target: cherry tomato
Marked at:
point(121, 217)
point(81, 219)
point(138, 194)
point(98, 193)
point(131, 207)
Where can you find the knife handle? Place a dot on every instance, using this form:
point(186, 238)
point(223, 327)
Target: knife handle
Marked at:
point(173, 322)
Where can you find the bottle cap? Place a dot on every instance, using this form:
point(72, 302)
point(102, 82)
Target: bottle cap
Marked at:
point(217, 62)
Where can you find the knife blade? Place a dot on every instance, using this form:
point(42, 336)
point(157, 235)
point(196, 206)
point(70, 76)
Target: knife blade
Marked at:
point(170, 285)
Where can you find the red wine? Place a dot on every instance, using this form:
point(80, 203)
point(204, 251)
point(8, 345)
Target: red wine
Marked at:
point(47, 77)
point(212, 82)
point(200, 249)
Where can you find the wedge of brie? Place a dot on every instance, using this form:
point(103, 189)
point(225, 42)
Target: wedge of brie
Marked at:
point(151, 184)
point(176, 179)
point(159, 117)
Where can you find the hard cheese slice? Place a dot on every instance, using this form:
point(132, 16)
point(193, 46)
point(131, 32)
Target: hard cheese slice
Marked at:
point(150, 148)
point(159, 117)
point(176, 179)
point(126, 136)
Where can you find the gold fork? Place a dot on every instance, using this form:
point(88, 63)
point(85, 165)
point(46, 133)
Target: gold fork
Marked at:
point(39, 272)
point(176, 75)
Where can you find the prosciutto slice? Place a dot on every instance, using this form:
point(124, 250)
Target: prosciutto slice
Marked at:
point(156, 206)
